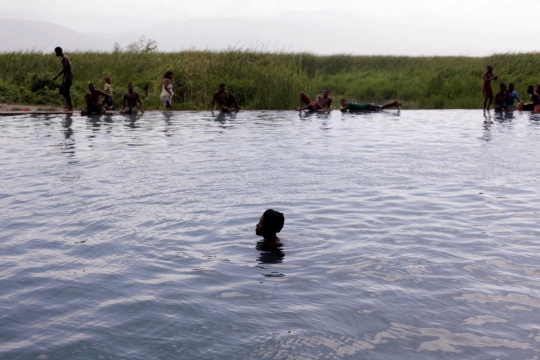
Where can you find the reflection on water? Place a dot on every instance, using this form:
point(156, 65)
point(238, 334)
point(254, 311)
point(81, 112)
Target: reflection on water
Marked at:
point(132, 237)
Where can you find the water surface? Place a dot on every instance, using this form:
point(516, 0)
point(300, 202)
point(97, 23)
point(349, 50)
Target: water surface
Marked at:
point(410, 236)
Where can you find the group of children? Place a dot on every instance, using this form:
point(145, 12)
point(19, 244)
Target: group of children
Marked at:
point(505, 99)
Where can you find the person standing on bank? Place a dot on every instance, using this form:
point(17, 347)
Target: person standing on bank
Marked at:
point(67, 78)
point(167, 93)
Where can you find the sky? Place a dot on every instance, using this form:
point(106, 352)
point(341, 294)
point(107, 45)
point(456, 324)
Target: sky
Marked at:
point(451, 27)
point(99, 15)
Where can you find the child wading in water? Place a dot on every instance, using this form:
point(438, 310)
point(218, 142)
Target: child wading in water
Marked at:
point(108, 89)
point(270, 223)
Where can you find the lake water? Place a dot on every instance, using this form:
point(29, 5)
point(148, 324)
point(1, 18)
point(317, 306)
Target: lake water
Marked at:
point(407, 236)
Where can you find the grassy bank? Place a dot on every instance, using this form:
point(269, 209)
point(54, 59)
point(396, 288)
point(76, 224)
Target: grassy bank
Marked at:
point(267, 81)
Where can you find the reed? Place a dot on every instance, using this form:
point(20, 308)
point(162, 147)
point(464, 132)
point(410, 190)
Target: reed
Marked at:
point(267, 81)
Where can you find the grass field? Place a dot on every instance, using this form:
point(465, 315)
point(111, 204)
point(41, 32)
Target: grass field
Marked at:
point(267, 80)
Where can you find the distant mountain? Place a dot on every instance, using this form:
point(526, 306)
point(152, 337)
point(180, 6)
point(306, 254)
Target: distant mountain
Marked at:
point(24, 35)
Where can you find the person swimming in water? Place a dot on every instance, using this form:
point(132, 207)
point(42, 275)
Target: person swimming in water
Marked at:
point(500, 99)
point(322, 103)
point(511, 96)
point(529, 106)
point(352, 107)
point(270, 224)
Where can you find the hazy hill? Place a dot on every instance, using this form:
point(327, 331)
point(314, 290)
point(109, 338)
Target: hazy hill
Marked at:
point(42, 36)
point(322, 32)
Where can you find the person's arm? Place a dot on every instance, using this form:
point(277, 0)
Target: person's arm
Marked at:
point(166, 86)
point(123, 103)
point(212, 105)
point(102, 93)
point(60, 73)
point(343, 108)
point(318, 101)
point(140, 103)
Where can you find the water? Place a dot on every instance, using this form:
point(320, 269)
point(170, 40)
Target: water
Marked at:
point(406, 237)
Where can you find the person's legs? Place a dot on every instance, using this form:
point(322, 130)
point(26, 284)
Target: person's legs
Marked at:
point(303, 99)
point(65, 91)
point(68, 103)
point(166, 100)
point(488, 97)
point(394, 103)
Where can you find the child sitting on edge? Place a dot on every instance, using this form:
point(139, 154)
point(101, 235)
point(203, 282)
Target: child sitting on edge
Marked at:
point(108, 89)
point(270, 223)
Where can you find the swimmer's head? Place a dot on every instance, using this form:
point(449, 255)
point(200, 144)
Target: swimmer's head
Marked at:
point(131, 87)
point(343, 102)
point(530, 89)
point(91, 87)
point(326, 92)
point(270, 223)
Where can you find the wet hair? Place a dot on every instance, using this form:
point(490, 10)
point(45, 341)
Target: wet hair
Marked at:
point(168, 74)
point(273, 220)
point(343, 100)
point(58, 49)
point(221, 85)
point(502, 86)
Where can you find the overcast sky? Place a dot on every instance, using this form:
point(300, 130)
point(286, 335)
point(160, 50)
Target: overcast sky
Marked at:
point(92, 15)
point(451, 27)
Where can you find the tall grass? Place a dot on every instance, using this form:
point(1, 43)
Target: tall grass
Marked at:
point(266, 80)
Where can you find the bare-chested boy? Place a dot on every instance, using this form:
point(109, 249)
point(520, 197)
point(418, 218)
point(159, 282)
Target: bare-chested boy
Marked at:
point(322, 103)
point(94, 105)
point(227, 103)
point(132, 98)
point(67, 78)
point(486, 86)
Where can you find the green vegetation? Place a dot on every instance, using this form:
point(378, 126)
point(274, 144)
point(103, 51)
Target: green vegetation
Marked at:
point(266, 80)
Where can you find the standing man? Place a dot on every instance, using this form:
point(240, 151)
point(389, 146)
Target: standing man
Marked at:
point(486, 86)
point(67, 78)
point(323, 102)
point(131, 97)
point(227, 103)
